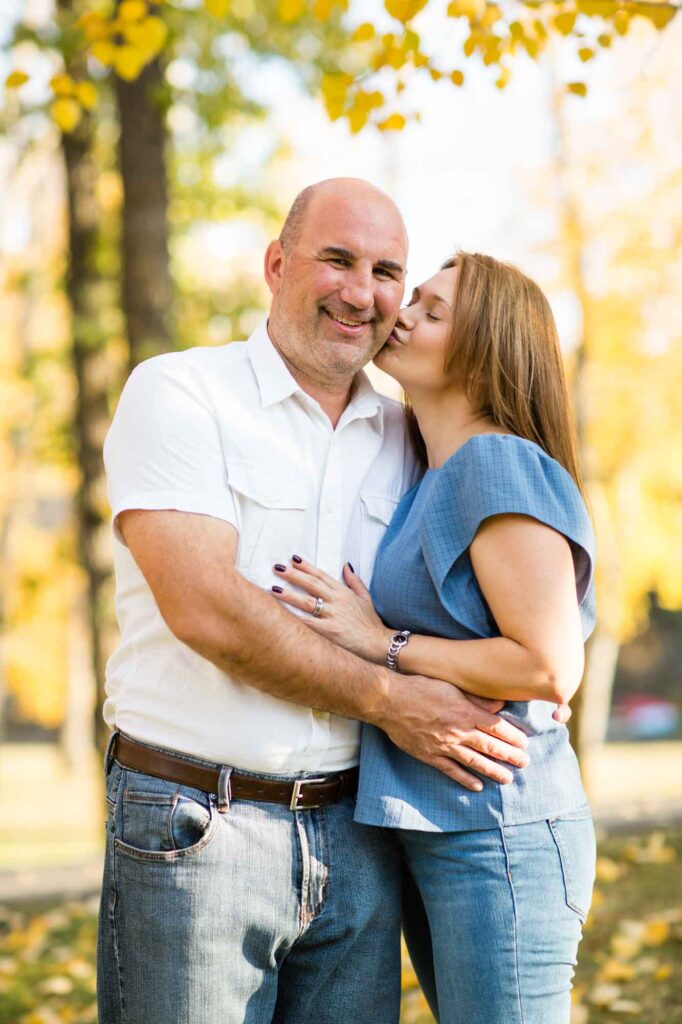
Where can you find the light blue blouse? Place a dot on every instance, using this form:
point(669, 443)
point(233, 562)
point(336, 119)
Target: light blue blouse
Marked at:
point(424, 581)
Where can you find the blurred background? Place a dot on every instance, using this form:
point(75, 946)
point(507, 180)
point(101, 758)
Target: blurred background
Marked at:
point(149, 151)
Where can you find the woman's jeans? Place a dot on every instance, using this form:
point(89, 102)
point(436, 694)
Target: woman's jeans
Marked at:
point(248, 915)
point(493, 918)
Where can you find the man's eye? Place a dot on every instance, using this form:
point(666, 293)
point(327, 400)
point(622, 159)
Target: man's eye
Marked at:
point(340, 261)
point(383, 272)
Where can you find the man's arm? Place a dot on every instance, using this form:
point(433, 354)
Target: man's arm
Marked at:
point(189, 560)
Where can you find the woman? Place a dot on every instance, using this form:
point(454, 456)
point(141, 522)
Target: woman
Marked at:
point(486, 571)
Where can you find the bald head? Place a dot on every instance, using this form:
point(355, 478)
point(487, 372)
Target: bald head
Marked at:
point(335, 190)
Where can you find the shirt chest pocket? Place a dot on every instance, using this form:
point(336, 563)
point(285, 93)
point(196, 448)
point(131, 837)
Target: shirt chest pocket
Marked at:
point(376, 513)
point(272, 513)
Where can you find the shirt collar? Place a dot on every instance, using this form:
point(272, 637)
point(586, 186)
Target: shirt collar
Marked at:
point(276, 383)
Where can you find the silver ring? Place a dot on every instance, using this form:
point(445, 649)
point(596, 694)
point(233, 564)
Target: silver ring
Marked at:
point(319, 605)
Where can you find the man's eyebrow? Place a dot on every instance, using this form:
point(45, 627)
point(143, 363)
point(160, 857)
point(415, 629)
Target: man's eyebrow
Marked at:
point(346, 254)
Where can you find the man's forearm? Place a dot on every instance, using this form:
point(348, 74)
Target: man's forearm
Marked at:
point(253, 638)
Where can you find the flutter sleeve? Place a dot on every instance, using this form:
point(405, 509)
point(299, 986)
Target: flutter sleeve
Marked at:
point(491, 475)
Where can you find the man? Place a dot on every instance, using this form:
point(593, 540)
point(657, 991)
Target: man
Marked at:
point(234, 891)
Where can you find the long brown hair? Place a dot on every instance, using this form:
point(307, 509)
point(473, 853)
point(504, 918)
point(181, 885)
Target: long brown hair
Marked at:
point(504, 345)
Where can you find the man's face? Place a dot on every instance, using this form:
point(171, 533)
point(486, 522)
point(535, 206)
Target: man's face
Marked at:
point(337, 292)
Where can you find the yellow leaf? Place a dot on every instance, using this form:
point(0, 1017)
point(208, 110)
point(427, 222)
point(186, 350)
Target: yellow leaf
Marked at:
point(105, 52)
point(323, 9)
point(334, 88)
point(466, 9)
point(94, 26)
point(63, 85)
point(363, 32)
point(605, 40)
point(66, 113)
point(420, 60)
point(394, 123)
point(404, 10)
point(357, 119)
point(290, 10)
point(129, 62)
point(608, 870)
point(436, 75)
point(577, 88)
point(617, 970)
point(656, 933)
point(15, 79)
point(148, 35)
point(565, 21)
point(503, 79)
point(585, 53)
point(457, 77)
point(621, 22)
point(218, 8)
point(132, 10)
point(659, 14)
point(663, 972)
point(598, 8)
point(86, 94)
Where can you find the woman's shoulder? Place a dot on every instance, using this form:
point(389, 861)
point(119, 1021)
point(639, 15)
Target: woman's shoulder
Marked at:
point(492, 469)
point(498, 474)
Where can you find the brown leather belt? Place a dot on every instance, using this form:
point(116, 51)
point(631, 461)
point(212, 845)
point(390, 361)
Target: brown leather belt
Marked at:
point(300, 795)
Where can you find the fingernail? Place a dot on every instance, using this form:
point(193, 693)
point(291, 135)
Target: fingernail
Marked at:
point(350, 566)
point(297, 559)
point(279, 567)
point(278, 590)
point(478, 787)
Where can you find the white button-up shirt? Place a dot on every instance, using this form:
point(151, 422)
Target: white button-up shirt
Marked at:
point(227, 432)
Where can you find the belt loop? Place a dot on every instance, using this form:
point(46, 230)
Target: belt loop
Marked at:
point(224, 789)
point(108, 754)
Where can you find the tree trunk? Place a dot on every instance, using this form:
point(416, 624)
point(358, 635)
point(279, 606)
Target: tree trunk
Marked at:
point(88, 358)
point(146, 281)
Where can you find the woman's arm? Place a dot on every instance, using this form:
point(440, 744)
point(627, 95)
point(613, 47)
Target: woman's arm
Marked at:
point(525, 571)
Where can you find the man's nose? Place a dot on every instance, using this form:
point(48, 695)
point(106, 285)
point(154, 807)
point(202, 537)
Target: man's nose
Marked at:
point(358, 289)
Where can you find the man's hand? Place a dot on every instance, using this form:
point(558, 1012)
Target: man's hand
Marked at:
point(446, 728)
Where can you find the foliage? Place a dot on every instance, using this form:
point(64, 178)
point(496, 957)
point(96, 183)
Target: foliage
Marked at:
point(368, 66)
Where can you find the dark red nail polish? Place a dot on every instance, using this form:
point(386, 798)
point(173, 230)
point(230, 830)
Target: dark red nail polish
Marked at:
point(297, 559)
point(279, 567)
point(350, 566)
point(278, 590)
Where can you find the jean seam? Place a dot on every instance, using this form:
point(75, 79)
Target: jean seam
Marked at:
point(112, 920)
point(516, 924)
point(565, 873)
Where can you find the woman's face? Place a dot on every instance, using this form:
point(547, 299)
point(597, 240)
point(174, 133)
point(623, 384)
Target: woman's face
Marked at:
point(415, 351)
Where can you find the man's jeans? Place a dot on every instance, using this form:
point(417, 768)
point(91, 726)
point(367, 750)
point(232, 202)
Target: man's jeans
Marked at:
point(493, 918)
point(246, 915)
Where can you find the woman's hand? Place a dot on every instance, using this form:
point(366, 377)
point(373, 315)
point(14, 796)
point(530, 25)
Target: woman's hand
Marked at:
point(347, 618)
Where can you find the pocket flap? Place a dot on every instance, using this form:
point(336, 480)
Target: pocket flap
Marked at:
point(379, 506)
point(272, 490)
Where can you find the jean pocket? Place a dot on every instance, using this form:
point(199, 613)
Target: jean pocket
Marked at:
point(575, 842)
point(162, 821)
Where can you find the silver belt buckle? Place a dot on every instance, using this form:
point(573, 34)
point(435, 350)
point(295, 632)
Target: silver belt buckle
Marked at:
point(296, 793)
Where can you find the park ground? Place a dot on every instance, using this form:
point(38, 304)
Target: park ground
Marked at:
point(630, 965)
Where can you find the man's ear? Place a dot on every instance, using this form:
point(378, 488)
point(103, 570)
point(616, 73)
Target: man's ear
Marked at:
point(274, 265)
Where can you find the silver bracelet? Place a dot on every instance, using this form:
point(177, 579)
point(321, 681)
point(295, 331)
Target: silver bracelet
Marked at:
point(398, 641)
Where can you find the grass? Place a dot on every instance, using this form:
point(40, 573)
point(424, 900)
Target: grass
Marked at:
point(630, 964)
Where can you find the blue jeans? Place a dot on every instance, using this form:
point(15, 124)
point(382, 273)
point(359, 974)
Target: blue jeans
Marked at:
point(493, 919)
point(248, 915)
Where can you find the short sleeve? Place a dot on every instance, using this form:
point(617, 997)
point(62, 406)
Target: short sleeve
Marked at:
point(163, 449)
point(495, 474)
